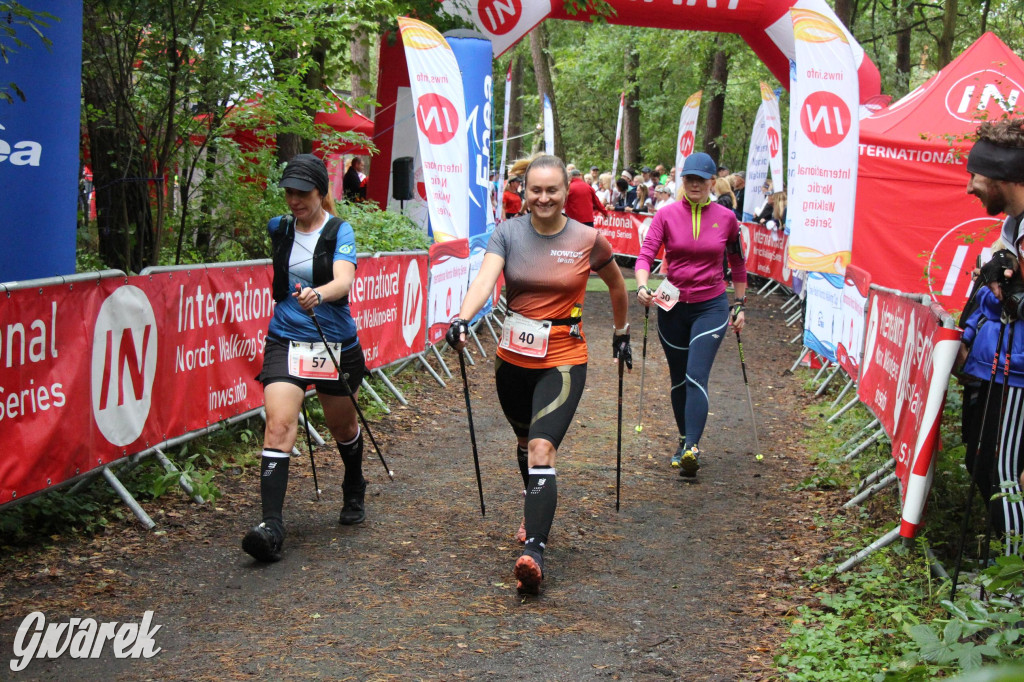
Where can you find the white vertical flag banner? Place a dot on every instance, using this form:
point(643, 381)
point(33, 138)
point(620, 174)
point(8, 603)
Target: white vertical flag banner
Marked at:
point(764, 157)
point(618, 139)
point(823, 168)
point(549, 127)
point(499, 212)
point(687, 137)
point(440, 127)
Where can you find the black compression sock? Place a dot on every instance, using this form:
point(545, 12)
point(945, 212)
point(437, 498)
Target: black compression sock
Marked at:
point(273, 483)
point(539, 507)
point(523, 457)
point(352, 457)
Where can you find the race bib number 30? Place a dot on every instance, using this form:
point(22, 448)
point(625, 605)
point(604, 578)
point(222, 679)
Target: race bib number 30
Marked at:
point(667, 295)
point(311, 361)
point(525, 336)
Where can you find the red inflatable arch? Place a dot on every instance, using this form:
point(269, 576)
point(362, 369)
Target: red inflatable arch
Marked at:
point(764, 24)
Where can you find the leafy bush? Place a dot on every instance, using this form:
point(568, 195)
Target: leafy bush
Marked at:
point(378, 230)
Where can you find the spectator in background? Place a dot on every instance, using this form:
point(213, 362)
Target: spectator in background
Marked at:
point(723, 194)
point(660, 174)
point(642, 203)
point(738, 180)
point(354, 181)
point(621, 194)
point(594, 179)
point(581, 202)
point(604, 190)
point(511, 201)
point(627, 175)
point(662, 198)
point(670, 184)
point(723, 172)
point(648, 178)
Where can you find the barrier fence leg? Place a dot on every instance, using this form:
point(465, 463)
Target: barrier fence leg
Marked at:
point(868, 492)
point(444, 367)
point(878, 544)
point(842, 410)
point(876, 474)
point(376, 398)
point(803, 352)
point(480, 346)
point(183, 480)
point(494, 335)
point(437, 377)
point(825, 364)
point(796, 338)
point(773, 289)
point(765, 287)
point(849, 383)
point(864, 446)
point(828, 379)
point(317, 438)
point(859, 434)
point(390, 386)
point(127, 498)
point(794, 318)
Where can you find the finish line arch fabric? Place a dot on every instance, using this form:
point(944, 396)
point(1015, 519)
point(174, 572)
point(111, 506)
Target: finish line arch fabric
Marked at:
point(764, 24)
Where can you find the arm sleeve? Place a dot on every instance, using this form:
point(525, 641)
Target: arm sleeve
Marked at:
point(653, 240)
point(734, 250)
point(498, 244)
point(345, 249)
point(601, 254)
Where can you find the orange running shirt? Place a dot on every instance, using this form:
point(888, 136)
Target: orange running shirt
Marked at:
point(545, 277)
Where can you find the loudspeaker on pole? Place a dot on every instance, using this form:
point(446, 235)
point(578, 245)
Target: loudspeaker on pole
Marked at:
point(403, 181)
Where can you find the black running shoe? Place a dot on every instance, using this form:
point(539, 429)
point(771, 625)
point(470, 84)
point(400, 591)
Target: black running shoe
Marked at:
point(529, 571)
point(264, 542)
point(354, 510)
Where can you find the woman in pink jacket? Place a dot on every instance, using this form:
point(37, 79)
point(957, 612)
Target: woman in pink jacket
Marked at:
point(695, 313)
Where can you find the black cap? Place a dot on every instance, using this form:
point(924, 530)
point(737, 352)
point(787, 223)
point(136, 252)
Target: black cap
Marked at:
point(515, 178)
point(304, 173)
point(594, 168)
point(645, 169)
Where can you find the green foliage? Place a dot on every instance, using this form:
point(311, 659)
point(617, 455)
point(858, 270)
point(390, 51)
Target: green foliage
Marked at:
point(378, 230)
point(20, 25)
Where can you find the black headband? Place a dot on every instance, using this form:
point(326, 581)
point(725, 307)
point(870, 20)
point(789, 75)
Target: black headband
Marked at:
point(996, 162)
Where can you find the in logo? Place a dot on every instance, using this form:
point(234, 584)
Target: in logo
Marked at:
point(953, 257)
point(437, 118)
point(412, 301)
point(983, 95)
point(499, 16)
point(774, 143)
point(825, 118)
point(124, 352)
point(686, 143)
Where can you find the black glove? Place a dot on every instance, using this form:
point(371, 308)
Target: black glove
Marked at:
point(994, 270)
point(621, 349)
point(457, 329)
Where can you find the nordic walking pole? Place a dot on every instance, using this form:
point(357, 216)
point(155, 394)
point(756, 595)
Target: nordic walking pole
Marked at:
point(348, 389)
point(750, 400)
point(472, 432)
point(309, 442)
point(643, 368)
point(974, 464)
point(618, 444)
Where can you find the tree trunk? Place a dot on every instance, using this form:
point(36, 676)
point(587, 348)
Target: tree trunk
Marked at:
point(904, 18)
point(631, 115)
point(716, 104)
point(542, 69)
point(844, 10)
point(948, 33)
point(360, 52)
point(515, 111)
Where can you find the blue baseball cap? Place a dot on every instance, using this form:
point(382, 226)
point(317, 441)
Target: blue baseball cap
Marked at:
point(701, 165)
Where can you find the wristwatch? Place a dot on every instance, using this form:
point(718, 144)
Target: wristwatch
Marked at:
point(319, 297)
point(643, 287)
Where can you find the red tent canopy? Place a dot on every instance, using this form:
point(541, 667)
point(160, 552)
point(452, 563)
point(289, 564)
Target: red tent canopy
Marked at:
point(252, 136)
point(915, 228)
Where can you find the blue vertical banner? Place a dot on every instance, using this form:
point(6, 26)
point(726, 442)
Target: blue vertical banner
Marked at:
point(39, 145)
point(474, 55)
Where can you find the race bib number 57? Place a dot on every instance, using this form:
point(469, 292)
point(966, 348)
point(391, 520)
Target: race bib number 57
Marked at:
point(311, 361)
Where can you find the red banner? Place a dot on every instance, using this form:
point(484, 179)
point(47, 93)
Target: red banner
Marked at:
point(449, 281)
point(91, 372)
point(623, 230)
point(388, 302)
point(766, 252)
point(905, 371)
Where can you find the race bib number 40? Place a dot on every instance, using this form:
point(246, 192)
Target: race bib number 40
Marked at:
point(667, 295)
point(525, 336)
point(311, 361)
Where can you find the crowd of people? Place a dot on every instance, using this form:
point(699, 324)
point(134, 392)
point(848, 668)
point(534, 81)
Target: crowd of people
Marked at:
point(645, 191)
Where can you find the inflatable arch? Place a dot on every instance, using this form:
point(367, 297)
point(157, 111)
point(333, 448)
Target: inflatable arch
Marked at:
point(764, 24)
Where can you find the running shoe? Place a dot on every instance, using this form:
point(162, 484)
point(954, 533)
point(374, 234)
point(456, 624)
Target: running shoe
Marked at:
point(521, 533)
point(264, 542)
point(354, 509)
point(678, 457)
point(529, 572)
point(689, 462)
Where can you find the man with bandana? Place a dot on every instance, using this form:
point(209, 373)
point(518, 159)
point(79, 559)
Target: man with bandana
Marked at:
point(994, 330)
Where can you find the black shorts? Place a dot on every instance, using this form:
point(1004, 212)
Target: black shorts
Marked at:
point(275, 369)
point(539, 403)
